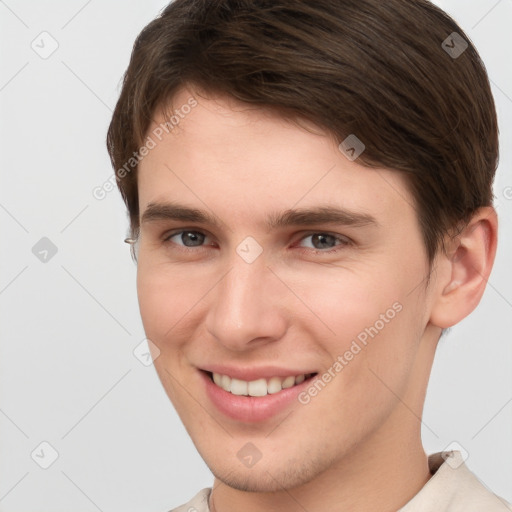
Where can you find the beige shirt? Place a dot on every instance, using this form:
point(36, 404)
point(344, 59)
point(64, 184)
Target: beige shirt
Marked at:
point(452, 488)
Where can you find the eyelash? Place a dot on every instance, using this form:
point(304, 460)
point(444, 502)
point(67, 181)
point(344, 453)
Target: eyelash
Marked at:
point(344, 241)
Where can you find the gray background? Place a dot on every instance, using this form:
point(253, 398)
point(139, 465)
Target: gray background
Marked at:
point(69, 325)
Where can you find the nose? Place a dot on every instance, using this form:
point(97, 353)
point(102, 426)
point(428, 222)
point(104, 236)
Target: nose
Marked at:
point(247, 307)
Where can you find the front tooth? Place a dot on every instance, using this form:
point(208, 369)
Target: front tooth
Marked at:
point(239, 387)
point(225, 383)
point(288, 382)
point(274, 385)
point(257, 387)
point(260, 387)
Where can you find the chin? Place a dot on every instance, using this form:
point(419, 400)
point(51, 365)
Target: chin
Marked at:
point(268, 476)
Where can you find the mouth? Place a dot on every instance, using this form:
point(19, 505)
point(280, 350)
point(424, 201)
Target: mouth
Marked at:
point(268, 392)
point(259, 387)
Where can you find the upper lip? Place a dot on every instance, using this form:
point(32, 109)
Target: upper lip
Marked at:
point(253, 373)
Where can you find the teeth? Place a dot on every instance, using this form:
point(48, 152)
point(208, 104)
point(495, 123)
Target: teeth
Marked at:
point(217, 378)
point(260, 387)
point(238, 387)
point(299, 379)
point(225, 383)
point(288, 382)
point(257, 387)
point(274, 385)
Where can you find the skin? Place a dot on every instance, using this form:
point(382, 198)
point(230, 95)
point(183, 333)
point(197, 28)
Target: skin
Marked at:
point(357, 444)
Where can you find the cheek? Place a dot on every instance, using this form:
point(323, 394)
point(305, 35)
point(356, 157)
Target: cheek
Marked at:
point(352, 304)
point(373, 319)
point(165, 297)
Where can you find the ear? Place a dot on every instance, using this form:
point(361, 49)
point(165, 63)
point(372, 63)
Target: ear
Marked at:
point(465, 269)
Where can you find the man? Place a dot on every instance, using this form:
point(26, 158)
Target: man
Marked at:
point(309, 186)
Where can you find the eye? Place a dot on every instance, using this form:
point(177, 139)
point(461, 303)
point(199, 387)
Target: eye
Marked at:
point(320, 241)
point(189, 238)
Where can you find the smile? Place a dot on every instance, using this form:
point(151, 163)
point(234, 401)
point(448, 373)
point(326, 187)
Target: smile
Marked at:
point(267, 392)
point(259, 387)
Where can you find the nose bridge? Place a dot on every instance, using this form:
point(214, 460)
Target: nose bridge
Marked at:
point(243, 305)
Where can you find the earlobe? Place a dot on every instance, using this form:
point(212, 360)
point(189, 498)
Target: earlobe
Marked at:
point(466, 267)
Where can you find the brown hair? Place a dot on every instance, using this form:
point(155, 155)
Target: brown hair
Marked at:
point(392, 73)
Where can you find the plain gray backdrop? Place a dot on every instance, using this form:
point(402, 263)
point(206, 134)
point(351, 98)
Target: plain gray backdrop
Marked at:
point(70, 323)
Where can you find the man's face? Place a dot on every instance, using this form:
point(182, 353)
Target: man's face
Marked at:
point(250, 301)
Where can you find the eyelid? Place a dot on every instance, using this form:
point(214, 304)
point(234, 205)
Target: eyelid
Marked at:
point(169, 234)
point(304, 232)
point(344, 239)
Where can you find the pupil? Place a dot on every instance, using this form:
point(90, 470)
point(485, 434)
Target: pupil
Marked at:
point(322, 238)
point(191, 235)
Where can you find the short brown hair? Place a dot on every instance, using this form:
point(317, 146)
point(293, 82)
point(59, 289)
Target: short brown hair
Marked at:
point(380, 70)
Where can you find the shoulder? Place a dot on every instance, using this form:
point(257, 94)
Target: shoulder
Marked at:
point(474, 496)
point(199, 503)
point(454, 488)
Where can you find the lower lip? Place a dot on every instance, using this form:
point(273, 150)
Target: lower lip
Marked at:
point(252, 409)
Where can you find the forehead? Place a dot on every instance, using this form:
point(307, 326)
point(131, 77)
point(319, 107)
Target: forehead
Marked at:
point(222, 155)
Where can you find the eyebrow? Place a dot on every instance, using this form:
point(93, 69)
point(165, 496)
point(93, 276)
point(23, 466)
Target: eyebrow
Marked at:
point(292, 217)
